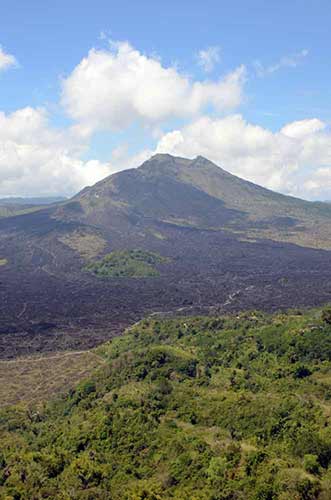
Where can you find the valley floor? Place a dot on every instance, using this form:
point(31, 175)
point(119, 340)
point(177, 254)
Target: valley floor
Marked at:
point(47, 308)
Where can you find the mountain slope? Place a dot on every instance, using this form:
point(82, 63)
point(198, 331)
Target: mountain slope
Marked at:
point(200, 194)
point(225, 243)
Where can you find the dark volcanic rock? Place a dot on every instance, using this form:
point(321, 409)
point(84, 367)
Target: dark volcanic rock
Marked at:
point(216, 230)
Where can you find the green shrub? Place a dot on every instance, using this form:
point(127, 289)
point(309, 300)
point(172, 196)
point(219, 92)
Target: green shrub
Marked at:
point(310, 463)
point(127, 264)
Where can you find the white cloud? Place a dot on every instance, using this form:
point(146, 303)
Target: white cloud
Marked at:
point(208, 58)
point(288, 160)
point(319, 184)
point(38, 160)
point(303, 128)
point(291, 61)
point(111, 89)
point(6, 60)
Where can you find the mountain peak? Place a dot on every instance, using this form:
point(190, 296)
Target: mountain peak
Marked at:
point(168, 162)
point(202, 161)
point(160, 157)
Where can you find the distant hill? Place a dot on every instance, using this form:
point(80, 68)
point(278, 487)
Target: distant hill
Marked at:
point(16, 206)
point(42, 200)
point(225, 244)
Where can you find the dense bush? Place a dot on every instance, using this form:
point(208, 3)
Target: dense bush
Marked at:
point(200, 408)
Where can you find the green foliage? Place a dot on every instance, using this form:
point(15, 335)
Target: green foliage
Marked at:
point(199, 408)
point(310, 463)
point(127, 264)
point(326, 315)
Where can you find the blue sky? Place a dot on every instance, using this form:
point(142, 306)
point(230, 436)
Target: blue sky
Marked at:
point(282, 48)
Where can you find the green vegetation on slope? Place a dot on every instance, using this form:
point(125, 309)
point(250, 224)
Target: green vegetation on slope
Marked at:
point(202, 408)
point(127, 264)
point(12, 210)
point(12, 206)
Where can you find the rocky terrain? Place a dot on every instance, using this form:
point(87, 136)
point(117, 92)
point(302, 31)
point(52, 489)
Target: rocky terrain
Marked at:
point(228, 245)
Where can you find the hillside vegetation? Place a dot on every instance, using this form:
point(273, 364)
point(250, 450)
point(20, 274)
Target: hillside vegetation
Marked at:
point(18, 206)
point(200, 408)
point(127, 264)
point(12, 210)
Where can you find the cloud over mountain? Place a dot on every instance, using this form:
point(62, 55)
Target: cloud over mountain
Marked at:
point(295, 159)
point(110, 89)
point(114, 88)
point(38, 159)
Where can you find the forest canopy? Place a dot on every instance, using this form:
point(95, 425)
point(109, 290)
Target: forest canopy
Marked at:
point(200, 408)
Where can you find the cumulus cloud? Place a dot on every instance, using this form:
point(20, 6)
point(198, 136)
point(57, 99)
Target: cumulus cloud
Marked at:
point(294, 160)
point(319, 184)
point(111, 89)
point(303, 128)
point(38, 160)
point(291, 61)
point(6, 60)
point(208, 58)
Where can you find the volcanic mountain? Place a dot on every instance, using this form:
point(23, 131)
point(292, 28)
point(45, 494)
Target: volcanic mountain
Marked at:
point(218, 242)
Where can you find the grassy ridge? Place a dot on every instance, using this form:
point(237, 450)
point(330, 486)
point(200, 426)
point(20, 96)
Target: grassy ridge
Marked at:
point(199, 408)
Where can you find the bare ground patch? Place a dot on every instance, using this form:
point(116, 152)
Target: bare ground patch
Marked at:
point(35, 379)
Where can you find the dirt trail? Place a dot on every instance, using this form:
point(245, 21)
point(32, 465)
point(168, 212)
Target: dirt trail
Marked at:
point(56, 356)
